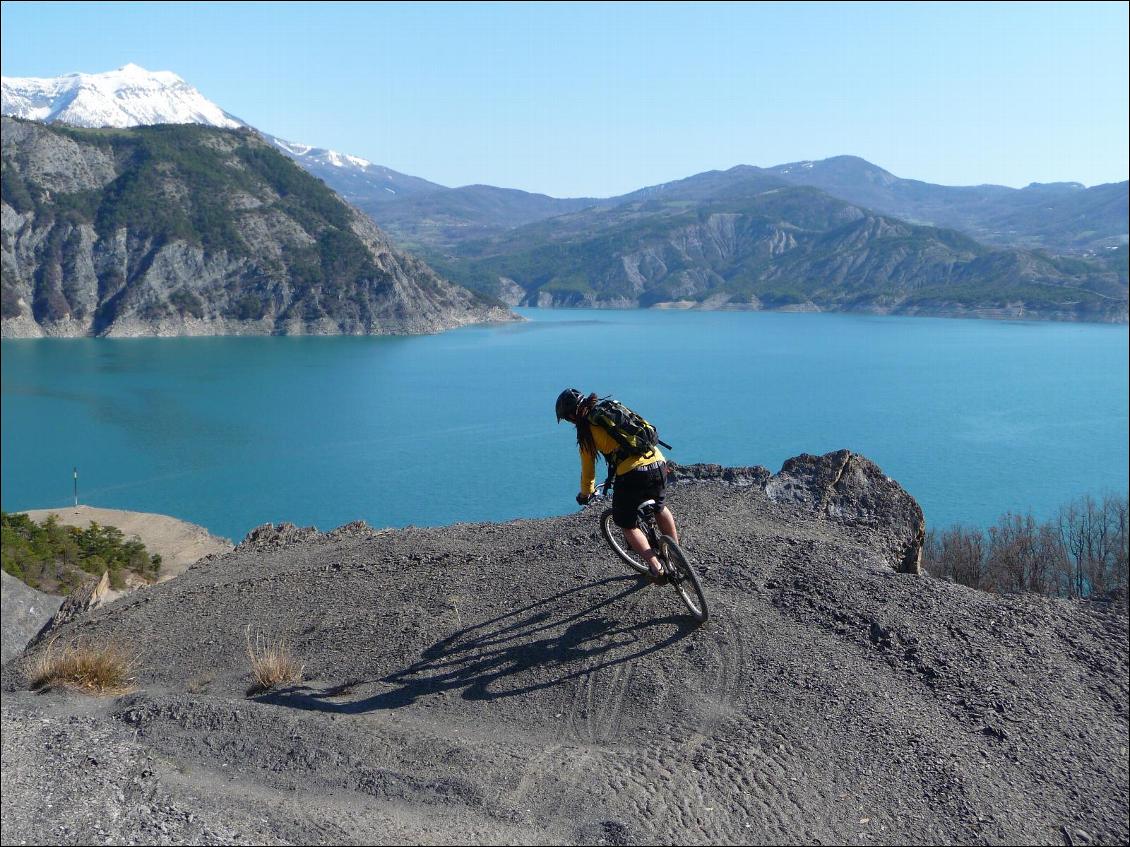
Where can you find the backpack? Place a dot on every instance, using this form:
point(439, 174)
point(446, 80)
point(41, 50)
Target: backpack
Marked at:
point(635, 435)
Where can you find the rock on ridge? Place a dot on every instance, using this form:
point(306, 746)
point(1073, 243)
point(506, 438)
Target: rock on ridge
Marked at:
point(844, 487)
point(709, 472)
point(268, 535)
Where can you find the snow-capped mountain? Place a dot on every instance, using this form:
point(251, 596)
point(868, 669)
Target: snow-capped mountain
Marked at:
point(358, 180)
point(328, 157)
point(129, 96)
point(132, 96)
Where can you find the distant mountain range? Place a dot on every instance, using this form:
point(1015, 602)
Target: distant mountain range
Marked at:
point(840, 233)
point(751, 240)
point(1063, 217)
point(1059, 217)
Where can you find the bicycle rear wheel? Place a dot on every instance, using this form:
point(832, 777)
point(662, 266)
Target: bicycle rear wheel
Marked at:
point(615, 538)
point(684, 579)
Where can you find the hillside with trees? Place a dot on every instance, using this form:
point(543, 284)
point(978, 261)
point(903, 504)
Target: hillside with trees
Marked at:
point(56, 559)
point(193, 230)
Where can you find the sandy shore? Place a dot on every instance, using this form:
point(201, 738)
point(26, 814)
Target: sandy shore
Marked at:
point(179, 543)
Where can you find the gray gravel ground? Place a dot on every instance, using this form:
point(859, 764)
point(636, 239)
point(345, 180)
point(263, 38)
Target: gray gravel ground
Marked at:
point(513, 683)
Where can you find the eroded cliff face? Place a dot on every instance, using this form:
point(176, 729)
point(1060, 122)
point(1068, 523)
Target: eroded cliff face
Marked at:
point(188, 230)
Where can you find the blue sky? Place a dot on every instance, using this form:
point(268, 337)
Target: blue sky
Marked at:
point(599, 99)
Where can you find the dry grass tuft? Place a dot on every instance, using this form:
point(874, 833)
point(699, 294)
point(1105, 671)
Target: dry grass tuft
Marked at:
point(92, 668)
point(271, 663)
point(200, 683)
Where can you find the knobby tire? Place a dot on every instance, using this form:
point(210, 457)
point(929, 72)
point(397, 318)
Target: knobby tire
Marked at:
point(684, 579)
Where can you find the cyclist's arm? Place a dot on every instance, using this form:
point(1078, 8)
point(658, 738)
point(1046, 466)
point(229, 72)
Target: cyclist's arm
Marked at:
point(588, 473)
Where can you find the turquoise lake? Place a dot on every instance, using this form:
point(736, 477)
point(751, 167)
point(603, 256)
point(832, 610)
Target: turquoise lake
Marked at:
point(972, 417)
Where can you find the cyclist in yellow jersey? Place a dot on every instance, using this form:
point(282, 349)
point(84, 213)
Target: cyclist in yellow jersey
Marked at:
point(638, 478)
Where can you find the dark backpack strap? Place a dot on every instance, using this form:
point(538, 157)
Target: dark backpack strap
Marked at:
point(611, 478)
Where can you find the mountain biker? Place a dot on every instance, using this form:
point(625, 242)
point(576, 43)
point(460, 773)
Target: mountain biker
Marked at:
point(638, 478)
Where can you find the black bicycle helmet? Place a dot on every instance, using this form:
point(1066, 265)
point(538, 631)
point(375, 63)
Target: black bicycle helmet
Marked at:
point(567, 402)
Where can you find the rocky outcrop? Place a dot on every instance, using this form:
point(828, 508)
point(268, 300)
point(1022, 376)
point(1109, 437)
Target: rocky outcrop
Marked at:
point(851, 489)
point(703, 472)
point(270, 535)
point(844, 487)
point(190, 230)
point(89, 595)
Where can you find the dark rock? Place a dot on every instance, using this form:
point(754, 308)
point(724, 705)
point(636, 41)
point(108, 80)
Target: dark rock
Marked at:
point(270, 535)
point(356, 529)
point(844, 487)
point(705, 472)
point(852, 490)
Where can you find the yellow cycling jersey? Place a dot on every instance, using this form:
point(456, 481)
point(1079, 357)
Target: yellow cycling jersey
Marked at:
point(607, 445)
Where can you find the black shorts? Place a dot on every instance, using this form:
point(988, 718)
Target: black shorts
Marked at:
point(633, 488)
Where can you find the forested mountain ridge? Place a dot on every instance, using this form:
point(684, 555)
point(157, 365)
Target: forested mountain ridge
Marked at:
point(751, 240)
point(189, 229)
point(1061, 217)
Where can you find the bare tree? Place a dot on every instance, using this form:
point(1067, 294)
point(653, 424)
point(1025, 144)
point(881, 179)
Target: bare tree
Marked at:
point(1049, 559)
point(1075, 532)
point(960, 555)
point(1116, 507)
point(1081, 552)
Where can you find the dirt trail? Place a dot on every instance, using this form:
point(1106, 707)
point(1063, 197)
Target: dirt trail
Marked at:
point(513, 682)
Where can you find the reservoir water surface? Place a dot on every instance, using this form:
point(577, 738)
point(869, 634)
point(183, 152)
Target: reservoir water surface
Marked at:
point(972, 417)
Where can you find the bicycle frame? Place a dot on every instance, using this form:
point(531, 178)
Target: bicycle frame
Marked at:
point(679, 571)
point(645, 521)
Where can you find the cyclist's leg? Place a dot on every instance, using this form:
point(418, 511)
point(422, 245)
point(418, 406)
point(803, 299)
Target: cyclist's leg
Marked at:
point(666, 522)
point(663, 515)
point(638, 542)
point(630, 491)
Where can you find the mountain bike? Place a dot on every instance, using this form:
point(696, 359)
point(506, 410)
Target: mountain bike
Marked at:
point(680, 574)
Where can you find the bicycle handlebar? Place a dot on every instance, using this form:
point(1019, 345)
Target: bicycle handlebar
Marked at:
point(601, 493)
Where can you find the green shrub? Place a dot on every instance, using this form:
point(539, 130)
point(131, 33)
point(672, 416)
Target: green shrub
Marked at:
point(54, 558)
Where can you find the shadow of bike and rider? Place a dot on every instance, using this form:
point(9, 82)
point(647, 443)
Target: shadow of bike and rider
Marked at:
point(544, 644)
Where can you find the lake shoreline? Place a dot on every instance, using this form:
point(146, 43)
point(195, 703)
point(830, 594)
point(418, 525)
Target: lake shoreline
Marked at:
point(24, 329)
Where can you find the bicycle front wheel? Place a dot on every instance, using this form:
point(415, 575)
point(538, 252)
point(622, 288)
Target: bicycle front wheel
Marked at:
point(615, 538)
point(684, 579)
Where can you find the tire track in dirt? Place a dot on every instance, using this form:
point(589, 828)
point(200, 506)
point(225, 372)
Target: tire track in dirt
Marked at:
point(658, 787)
point(672, 802)
point(761, 781)
point(554, 782)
